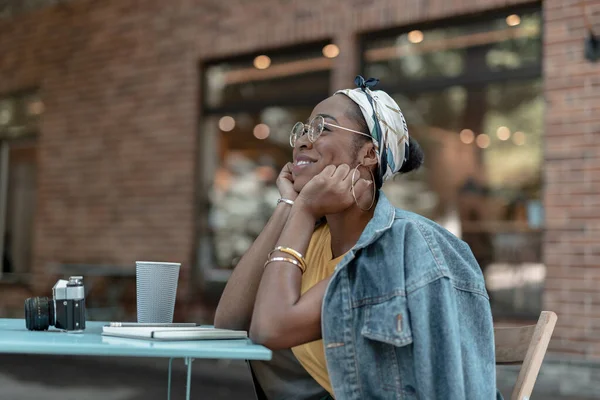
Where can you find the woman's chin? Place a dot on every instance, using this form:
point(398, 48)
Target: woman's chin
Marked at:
point(299, 183)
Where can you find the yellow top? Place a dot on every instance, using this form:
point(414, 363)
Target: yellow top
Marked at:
point(320, 265)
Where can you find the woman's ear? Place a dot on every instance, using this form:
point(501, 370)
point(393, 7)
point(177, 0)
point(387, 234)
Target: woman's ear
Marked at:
point(367, 155)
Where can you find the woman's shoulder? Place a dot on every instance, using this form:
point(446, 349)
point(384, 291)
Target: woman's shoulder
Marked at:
point(430, 244)
point(407, 221)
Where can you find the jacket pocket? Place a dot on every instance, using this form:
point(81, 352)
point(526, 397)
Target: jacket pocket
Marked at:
point(385, 354)
point(388, 322)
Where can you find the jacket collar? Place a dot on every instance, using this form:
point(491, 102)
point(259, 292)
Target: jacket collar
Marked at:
point(382, 220)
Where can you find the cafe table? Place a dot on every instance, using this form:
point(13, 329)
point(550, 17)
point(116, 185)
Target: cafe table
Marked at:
point(16, 339)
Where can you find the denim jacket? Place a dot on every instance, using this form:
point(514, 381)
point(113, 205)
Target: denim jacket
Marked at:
point(406, 315)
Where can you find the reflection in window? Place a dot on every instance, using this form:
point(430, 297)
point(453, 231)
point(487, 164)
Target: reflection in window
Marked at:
point(241, 165)
point(20, 115)
point(294, 76)
point(19, 123)
point(521, 46)
point(451, 52)
point(472, 96)
point(402, 57)
point(250, 106)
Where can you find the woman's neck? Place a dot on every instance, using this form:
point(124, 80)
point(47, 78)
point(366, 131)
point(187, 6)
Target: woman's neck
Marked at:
point(346, 228)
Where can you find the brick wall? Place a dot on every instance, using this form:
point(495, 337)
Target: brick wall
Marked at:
point(117, 147)
point(117, 142)
point(572, 178)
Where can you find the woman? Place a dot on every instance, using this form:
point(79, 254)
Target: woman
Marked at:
point(374, 302)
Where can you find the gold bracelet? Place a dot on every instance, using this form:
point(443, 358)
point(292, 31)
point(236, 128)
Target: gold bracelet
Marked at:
point(285, 259)
point(291, 252)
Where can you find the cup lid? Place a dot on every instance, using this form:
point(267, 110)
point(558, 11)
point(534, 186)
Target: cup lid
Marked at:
point(158, 262)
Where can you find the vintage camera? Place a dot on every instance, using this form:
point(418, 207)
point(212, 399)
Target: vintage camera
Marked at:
point(65, 311)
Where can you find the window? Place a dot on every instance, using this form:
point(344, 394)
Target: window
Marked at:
point(19, 121)
point(472, 95)
point(249, 107)
point(12, 8)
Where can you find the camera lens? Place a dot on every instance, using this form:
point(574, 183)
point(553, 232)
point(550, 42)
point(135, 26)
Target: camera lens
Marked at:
point(39, 313)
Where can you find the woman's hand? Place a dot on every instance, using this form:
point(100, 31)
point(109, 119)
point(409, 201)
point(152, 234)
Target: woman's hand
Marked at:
point(285, 183)
point(330, 191)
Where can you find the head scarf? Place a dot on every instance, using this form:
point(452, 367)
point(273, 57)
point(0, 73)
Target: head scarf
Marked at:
point(386, 123)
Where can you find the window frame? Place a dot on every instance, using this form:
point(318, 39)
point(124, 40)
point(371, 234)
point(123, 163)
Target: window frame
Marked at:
point(467, 78)
point(470, 79)
point(29, 135)
point(207, 273)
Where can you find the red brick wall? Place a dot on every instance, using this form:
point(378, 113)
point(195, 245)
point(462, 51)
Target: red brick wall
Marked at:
point(117, 142)
point(117, 147)
point(572, 196)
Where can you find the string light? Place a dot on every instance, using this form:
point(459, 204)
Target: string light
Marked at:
point(467, 136)
point(262, 62)
point(503, 133)
point(226, 123)
point(513, 20)
point(331, 51)
point(415, 36)
point(261, 131)
point(519, 138)
point(483, 141)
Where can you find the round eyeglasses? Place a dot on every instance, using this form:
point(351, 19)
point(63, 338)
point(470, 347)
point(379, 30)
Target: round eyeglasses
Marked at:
point(314, 129)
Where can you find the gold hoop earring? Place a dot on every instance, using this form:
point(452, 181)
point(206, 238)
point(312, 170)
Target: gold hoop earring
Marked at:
point(354, 183)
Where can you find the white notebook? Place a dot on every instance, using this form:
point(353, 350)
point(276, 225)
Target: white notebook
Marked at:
point(182, 333)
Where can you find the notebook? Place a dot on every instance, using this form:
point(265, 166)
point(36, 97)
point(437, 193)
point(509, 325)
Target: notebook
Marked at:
point(173, 333)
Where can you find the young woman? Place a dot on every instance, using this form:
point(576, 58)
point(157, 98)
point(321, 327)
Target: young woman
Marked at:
point(375, 302)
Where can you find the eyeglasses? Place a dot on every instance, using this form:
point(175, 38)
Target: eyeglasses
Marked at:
point(314, 129)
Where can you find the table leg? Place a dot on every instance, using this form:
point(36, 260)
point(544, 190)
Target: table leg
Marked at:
point(188, 362)
point(169, 384)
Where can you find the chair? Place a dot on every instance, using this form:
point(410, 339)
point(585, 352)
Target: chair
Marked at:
point(525, 345)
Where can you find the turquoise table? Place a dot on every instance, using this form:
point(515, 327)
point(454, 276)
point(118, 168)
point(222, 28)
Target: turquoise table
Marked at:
point(15, 338)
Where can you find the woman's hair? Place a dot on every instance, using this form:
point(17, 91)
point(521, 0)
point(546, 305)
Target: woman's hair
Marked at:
point(415, 153)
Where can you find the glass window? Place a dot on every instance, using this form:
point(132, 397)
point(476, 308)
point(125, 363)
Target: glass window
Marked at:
point(295, 76)
point(248, 114)
point(509, 42)
point(19, 122)
point(472, 96)
point(12, 8)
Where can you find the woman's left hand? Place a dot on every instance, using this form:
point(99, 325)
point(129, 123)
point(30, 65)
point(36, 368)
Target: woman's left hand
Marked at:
point(330, 191)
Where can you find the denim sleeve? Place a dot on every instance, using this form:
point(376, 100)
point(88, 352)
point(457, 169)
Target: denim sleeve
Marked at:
point(453, 342)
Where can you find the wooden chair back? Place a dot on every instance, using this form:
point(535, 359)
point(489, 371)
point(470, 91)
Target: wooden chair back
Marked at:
point(525, 345)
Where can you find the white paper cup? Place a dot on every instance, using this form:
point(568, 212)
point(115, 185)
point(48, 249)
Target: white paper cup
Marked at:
point(156, 284)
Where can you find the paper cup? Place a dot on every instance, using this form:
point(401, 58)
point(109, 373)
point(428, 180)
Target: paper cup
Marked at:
point(156, 284)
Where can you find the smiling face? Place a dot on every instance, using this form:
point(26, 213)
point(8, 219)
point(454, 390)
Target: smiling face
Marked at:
point(334, 147)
